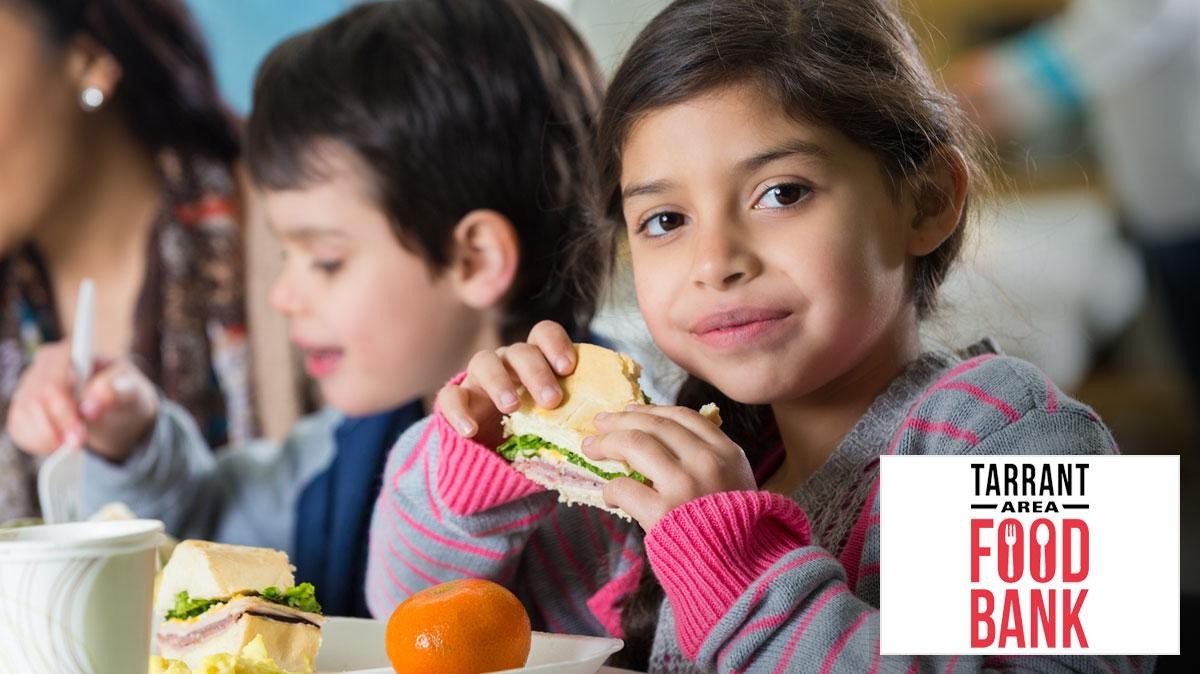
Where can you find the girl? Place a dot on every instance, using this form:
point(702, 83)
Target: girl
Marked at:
point(793, 188)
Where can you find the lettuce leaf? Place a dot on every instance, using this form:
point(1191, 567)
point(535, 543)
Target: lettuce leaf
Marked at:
point(527, 446)
point(303, 597)
point(186, 607)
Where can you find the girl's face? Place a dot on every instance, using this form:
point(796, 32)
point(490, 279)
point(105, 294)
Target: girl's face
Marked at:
point(769, 255)
point(376, 328)
point(41, 126)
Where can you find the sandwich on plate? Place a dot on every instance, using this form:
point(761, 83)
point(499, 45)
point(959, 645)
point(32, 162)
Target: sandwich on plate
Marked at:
point(216, 598)
point(545, 445)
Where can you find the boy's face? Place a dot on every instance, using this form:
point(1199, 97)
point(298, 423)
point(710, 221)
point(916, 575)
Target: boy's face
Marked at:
point(376, 327)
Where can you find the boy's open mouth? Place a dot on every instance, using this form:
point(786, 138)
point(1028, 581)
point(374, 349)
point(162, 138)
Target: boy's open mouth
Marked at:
point(321, 362)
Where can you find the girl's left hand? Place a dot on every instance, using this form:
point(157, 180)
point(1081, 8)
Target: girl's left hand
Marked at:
point(683, 454)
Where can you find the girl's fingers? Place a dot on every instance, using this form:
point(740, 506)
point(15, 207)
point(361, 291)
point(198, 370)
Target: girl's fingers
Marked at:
point(686, 417)
point(640, 502)
point(452, 401)
point(666, 430)
point(488, 373)
point(529, 364)
point(642, 451)
point(471, 413)
point(556, 346)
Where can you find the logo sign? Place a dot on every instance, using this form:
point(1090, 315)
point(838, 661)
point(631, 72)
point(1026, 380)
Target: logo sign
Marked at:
point(1029, 554)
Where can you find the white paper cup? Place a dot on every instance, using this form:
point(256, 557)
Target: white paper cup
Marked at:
point(76, 598)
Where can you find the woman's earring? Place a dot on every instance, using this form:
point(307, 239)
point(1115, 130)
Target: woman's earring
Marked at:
point(91, 99)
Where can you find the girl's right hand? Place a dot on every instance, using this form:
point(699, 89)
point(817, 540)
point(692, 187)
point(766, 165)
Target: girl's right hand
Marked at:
point(117, 410)
point(490, 390)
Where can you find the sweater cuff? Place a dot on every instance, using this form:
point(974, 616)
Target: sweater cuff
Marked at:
point(472, 478)
point(728, 539)
point(140, 463)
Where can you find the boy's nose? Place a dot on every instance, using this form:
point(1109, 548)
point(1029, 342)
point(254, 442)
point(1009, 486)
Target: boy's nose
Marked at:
point(722, 259)
point(283, 296)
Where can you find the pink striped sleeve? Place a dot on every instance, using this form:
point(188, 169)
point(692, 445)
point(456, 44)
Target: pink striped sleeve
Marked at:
point(729, 539)
point(472, 478)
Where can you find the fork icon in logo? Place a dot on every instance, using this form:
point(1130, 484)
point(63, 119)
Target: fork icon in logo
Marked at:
point(1010, 540)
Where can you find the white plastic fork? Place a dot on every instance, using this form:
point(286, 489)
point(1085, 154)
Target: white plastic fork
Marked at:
point(83, 335)
point(60, 477)
point(1010, 540)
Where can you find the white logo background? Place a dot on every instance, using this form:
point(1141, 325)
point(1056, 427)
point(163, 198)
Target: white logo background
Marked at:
point(1132, 605)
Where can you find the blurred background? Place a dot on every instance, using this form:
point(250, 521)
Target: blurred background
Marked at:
point(1086, 259)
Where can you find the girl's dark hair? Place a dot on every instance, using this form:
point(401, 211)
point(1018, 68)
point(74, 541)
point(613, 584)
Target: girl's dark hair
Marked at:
point(453, 105)
point(167, 92)
point(848, 65)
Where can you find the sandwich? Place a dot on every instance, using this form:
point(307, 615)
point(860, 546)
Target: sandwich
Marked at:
point(217, 598)
point(545, 445)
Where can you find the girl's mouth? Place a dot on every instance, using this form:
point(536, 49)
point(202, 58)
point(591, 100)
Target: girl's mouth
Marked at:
point(739, 327)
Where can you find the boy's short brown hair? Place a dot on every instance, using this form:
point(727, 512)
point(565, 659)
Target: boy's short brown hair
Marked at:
point(453, 105)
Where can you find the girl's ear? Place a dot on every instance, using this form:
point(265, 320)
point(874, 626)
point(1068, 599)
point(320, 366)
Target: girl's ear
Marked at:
point(91, 67)
point(940, 198)
point(485, 258)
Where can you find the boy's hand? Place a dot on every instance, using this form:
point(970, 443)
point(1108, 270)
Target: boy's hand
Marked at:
point(684, 455)
point(117, 410)
point(475, 406)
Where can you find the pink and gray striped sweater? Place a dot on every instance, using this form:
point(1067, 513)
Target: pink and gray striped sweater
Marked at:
point(754, 581)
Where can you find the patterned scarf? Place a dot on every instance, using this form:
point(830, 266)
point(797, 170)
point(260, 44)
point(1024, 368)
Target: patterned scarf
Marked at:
point(189, 333)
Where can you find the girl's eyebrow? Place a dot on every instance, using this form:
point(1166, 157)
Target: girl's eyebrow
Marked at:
point(647, 188)
point(789, 148)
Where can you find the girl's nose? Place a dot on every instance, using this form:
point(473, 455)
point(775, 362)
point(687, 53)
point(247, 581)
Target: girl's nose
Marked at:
point(723, 257)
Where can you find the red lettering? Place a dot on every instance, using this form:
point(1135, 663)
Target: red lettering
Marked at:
point(1011, 542)
point(1071, 618)
point(1011, 625)
point(1079, 527)
point(1043, 550)
point(982, 617)
point(1042, 616)
point(978, 550)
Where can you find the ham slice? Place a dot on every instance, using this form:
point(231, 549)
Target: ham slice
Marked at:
point(179, 634)
point(559, 475)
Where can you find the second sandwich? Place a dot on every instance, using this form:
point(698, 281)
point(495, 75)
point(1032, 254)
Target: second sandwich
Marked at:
point(216, 598)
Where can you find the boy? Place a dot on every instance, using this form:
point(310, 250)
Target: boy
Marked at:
point(424, 163)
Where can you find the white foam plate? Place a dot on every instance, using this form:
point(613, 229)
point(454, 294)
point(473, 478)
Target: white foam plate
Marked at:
point(356, 646)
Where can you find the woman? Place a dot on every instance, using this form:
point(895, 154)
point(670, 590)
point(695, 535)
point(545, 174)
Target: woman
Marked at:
point(116, 163)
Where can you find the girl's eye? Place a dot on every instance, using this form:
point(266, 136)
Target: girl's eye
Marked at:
point(661, 223)
point(327, 267)
point(783, 195)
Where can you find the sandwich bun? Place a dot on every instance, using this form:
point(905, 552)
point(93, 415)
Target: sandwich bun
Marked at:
point(208, 570)
point(603, 381)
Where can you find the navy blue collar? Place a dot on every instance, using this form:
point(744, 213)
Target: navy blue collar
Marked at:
point(333, 515)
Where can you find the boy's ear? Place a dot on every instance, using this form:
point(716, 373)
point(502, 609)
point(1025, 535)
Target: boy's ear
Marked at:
point(90, 65)
point(939, 199)
point(485, 258)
